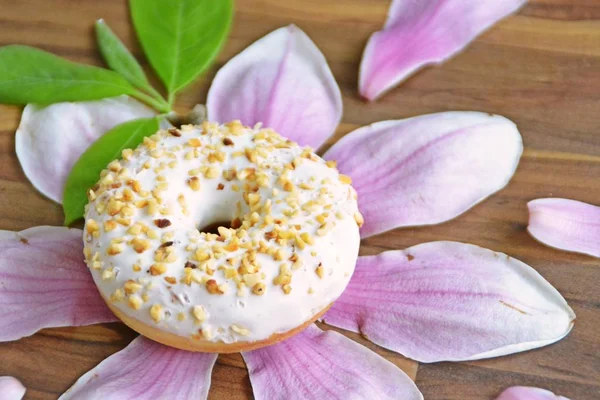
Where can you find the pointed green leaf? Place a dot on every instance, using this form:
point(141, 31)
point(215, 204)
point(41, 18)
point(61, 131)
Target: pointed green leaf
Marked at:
point(181, 37)
point(118, 57)
point(30, 75)
point(86, 171)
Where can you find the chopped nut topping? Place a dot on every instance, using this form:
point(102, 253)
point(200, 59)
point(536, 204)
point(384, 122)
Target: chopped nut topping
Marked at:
point(259, 289)
point(107, 274)
point(115, 248)
point(359, 219)
point(132, 287)
point(325, 229)
point(114, 166)
point(156, 312)
point(213, 287)
point(212, 172)
point(140, 245)
point(239, 330)
point(320, 271)
point(194, 142)
point(199, 313)
point(171, 279)
point(194, 183)
point(126, 154)
point(190, 265)
point(206, 333)
point(345, 179)
point(135, 302)
point(174, 132)
point(91, 226)
point(117, 296)
point(162, 222)
point(158, 269)
point(157, 153)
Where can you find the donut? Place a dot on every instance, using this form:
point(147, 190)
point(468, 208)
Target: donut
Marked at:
point(221, 238)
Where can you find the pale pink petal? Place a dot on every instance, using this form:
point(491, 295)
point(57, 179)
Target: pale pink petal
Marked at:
point(146, 370)
point(11, 388)
point(51, 138)
point(566, 224)
point(428, 169)
point(325, 365)
point(528, 393)
point(45, 283)
point(448, 301)
point(419, 33)
point(283, 81)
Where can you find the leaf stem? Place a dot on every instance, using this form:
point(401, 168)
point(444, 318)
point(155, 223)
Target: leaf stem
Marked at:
point(159, 105)
point(171, 98)
point(154, 93)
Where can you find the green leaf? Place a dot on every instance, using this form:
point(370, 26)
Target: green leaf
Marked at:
point(181, 37)
point(30, 75)
point(86, 171)
point(118, 57)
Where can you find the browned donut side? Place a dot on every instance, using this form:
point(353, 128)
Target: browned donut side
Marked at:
point(201, 345)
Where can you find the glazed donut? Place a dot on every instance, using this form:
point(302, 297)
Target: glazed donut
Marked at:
point(285, 246)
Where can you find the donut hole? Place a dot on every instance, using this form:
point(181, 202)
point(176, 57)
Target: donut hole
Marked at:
point(214, 227)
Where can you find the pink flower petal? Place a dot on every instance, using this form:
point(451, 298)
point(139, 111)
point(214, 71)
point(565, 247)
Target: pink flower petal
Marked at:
point(283, 81)
point(11, 388)
point(45, 283)
point(146, 370)
point(566, 224)
point(50, 139)
point(448, 301)
point(418, 33)
point(428, 169)
point(528, 393)
point(325, 365)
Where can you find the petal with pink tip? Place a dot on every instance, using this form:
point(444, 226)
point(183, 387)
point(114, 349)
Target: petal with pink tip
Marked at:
point(419, 33)
point(428, 169)
point(566, 224)
point(283, 81)
point(45, 283)
point(146, 370)
point(51, 138)
point(325, 365)
point(448, 301)
point(11, 388)
point(528, 393)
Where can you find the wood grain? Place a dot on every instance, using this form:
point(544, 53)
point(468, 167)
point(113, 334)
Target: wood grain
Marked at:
point(539, 68)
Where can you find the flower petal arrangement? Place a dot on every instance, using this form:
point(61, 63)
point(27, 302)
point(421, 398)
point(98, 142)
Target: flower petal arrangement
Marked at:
point(437, 301)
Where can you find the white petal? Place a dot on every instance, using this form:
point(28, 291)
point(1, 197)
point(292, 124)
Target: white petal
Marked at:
point(51, 138)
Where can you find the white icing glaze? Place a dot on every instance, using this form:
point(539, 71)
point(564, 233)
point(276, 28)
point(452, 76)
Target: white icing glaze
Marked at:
point(134, 280)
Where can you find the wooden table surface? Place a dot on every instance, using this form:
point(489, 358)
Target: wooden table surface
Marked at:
point(541, 68)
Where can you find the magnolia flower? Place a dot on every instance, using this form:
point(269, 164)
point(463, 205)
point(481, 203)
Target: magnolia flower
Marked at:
point(439, 301)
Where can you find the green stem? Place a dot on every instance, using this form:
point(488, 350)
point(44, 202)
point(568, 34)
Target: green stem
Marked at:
point(154, 93)
point(159, 105)
point(171, 99)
